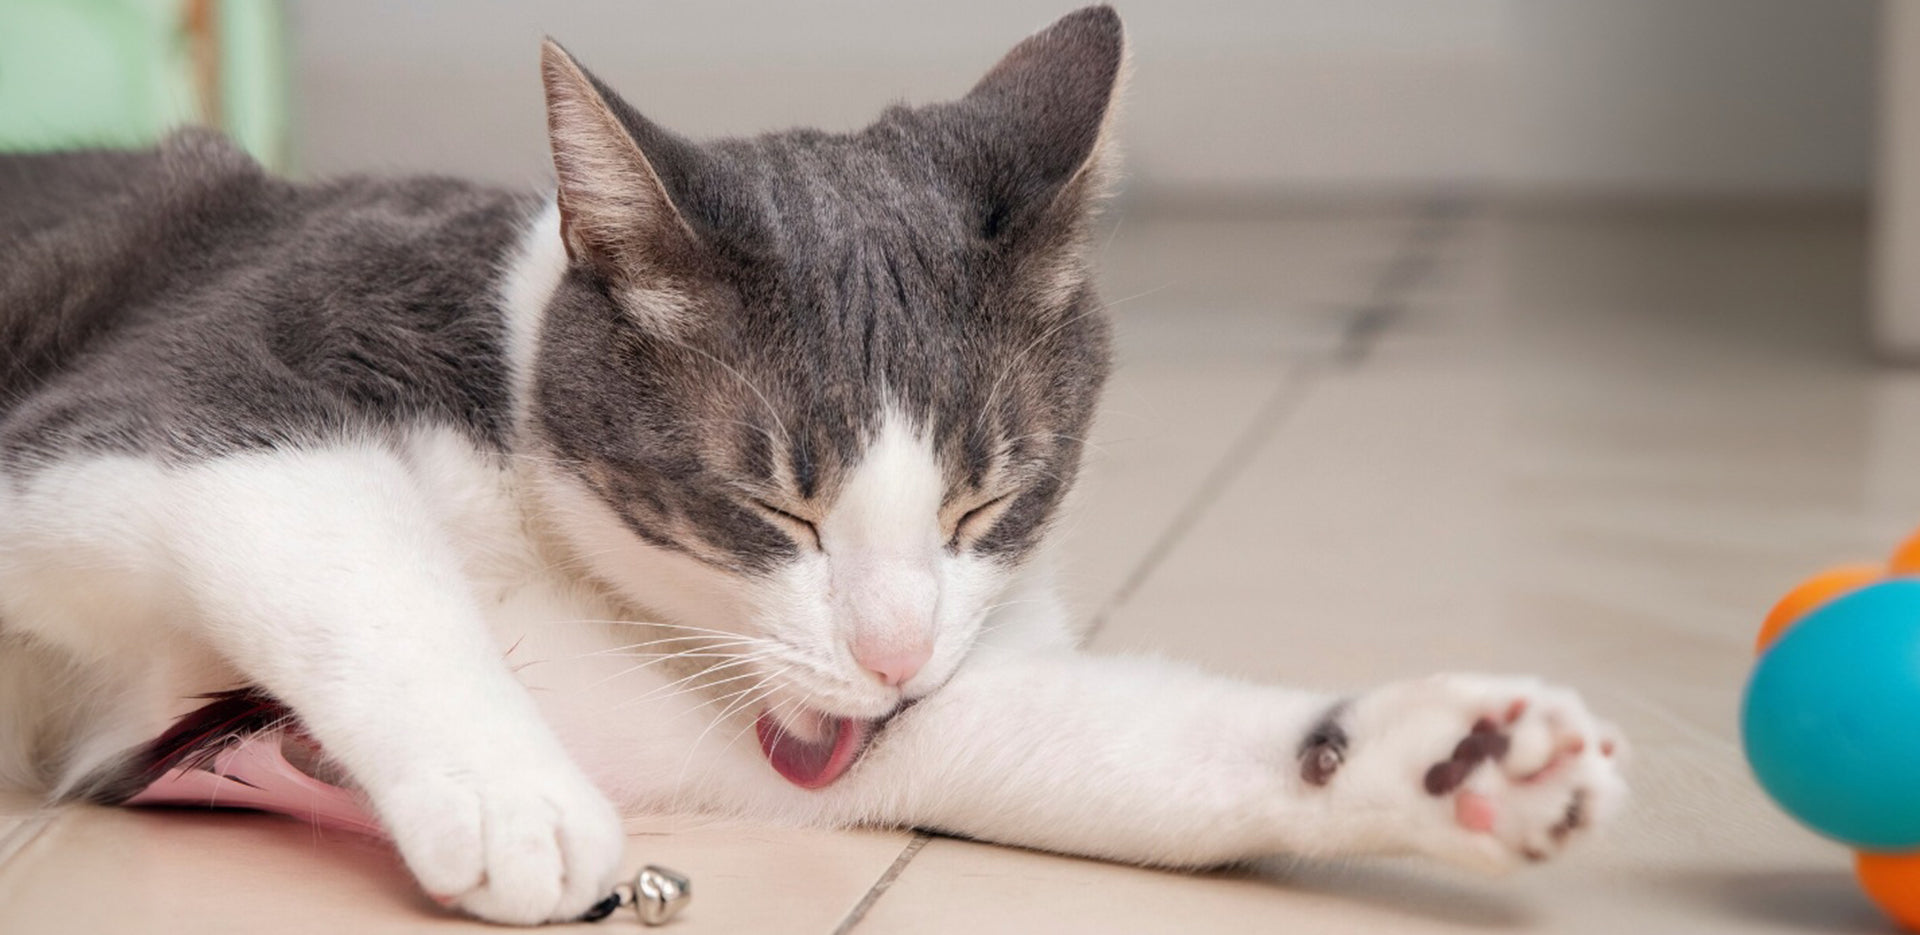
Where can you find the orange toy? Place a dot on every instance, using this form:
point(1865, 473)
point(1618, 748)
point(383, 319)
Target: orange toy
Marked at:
point(1893, 882)
point(1906, 559)
point(1818, 590)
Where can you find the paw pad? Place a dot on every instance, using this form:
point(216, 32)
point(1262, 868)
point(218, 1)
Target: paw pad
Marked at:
point(1485, 742)
point(1324, 749)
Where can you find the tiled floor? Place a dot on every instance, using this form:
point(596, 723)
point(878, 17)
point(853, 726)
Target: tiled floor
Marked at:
point(1340, 449)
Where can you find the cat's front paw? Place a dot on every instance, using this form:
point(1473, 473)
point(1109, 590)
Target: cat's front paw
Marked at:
point(521, 845)
point(1492, 771)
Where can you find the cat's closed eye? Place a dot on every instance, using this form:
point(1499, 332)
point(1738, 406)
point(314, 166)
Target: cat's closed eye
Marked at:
point(801, 529)
point(975, 522)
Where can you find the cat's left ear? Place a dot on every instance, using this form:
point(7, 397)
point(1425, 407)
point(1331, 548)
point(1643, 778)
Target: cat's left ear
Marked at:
point(616, 215)
point(1044, 114)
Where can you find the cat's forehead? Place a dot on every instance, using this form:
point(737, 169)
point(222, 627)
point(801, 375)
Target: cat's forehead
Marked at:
point(871, 290)
point(813, 197)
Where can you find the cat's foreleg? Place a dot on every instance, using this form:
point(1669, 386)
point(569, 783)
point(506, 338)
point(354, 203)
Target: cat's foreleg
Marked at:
point(1153, 762)
point(323, 577)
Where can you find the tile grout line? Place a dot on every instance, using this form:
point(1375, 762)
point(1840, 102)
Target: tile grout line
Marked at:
point(1410, 264)
point(880, 886)
point(1292, 390)
point(26, 832)
point(1416, 259)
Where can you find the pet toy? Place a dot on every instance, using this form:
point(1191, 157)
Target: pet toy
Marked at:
point(1829, 713)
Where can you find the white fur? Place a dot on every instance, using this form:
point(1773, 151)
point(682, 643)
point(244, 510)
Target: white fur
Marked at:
point(459, 632)
point(530, 277)
point(328, 578)
point(883, 543)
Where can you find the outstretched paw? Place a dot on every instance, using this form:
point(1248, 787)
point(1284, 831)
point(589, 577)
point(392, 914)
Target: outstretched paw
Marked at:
point(1499, 770)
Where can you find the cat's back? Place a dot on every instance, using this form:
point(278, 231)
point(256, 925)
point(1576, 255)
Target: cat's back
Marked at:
point(185, 292)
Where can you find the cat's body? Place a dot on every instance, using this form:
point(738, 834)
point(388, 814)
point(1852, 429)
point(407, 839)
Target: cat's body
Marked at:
point(721, 484)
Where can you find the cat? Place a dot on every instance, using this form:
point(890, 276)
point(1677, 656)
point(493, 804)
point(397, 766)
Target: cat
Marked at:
point(526, 505)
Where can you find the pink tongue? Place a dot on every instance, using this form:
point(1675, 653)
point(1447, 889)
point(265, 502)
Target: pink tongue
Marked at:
point(813, 764)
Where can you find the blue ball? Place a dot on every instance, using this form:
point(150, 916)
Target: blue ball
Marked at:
point(1831, 719)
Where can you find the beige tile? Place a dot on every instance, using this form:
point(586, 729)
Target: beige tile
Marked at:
point(1160, 434)
point(21, 818)
point(1371, 511)
point(16, 807)
point(752, 878)
point(1286, 263)
point(113, 870)
point(1205, 294)
point(960, 886)
point(1190, 380)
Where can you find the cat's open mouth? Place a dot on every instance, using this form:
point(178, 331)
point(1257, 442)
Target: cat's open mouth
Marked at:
point(812, 749)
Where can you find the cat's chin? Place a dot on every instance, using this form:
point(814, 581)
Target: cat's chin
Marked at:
point(813, 749)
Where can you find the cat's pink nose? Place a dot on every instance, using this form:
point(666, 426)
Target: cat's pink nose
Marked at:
point(892, 663)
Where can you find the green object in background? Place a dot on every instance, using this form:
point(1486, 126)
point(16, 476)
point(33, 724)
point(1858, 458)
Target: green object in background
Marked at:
point(124, 72)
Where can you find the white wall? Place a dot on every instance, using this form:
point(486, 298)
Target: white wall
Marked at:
point(1692, 96)
point(1229, 96)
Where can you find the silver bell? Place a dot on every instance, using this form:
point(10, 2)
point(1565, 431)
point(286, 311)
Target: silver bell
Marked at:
point(659, 894)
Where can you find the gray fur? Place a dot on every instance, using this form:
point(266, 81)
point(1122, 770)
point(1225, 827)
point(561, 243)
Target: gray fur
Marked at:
point(182, 304)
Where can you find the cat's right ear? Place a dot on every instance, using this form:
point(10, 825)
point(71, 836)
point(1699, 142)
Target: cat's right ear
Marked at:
point(615, 214)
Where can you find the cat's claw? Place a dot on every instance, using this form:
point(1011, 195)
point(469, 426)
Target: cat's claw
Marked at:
point(1503, 771)
point(522, 846)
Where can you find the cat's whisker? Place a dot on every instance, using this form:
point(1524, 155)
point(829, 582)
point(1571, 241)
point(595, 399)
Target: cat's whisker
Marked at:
point(698, 642)
point(687, 690)
point(729, 634)
point(747, 699)
point(1141, 295)
point(775, 747)
point(1013, 363)
point(774, 711)
point(763, 430)
point(746, 704)
point(633, 649)
point(800, 661)
point(574, 561)
point(655, 693)
point(725, 697)
point(785, 436)
point(1119, 221)
point(663, 624)
point(737, 659)
point(1009, 442)
point(704, 642)
point(988, 610)
point(680, 788)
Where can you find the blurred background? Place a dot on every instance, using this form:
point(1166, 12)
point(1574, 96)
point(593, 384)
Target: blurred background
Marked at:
point(1230, 100)
point(1283, 100)
point(1235, 107)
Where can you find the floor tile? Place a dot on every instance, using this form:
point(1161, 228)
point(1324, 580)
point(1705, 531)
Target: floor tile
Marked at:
point(160, 872)
point(1210, 293)
point(21, 818)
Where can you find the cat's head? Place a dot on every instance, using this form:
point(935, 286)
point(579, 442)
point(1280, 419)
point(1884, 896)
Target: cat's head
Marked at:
point(820, 395)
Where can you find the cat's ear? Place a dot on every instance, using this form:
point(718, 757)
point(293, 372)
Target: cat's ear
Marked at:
point(1044, 113)
point(615, 213)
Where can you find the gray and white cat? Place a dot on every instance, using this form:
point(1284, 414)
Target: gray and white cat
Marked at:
point(533, 507)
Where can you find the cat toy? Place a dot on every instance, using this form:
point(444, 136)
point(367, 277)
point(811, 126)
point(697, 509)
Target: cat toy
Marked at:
point(1827, 720)
point(239, 751)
